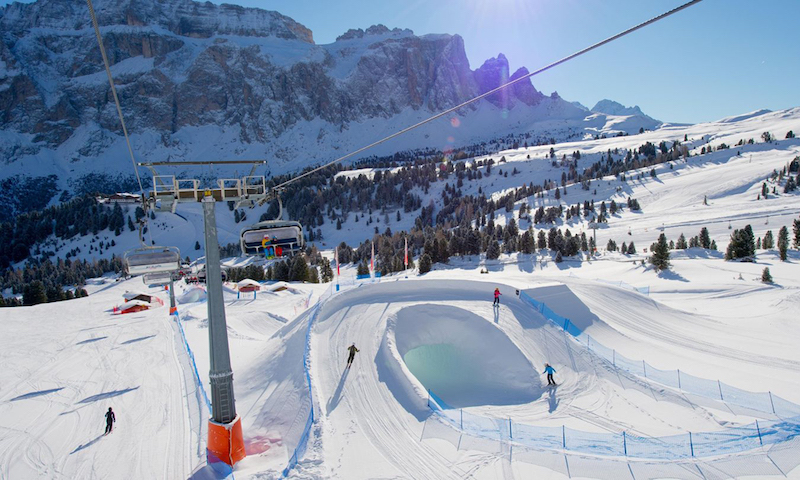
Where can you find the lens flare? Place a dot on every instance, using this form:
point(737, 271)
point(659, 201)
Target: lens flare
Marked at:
point(455, 122)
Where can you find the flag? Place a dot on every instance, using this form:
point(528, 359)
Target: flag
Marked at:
point(405, 256)
point(372, 259)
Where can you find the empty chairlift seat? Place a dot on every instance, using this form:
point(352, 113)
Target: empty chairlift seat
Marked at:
point(284, 237)
point(151, 260)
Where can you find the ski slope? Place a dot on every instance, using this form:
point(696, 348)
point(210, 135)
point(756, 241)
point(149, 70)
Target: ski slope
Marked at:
point(67, 362)
point(64, 365)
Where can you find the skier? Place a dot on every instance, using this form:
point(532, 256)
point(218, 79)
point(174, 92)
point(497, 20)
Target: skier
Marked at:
point(352, 348)
point(496, 297)
point(549, 371)
point(110, 419)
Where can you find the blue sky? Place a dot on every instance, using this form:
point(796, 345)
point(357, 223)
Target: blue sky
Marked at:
point(715, 59)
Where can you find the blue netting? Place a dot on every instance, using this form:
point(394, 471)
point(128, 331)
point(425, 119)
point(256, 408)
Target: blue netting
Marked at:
point(784, 408)
point(664, 377)
point(700, 386)
point(548, 438)
point(755, 400)
point(700, 444)
point(594, 443)
point(634, 366)
point(661, 448)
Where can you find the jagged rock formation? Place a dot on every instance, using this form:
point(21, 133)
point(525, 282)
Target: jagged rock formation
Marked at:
point(205, 81)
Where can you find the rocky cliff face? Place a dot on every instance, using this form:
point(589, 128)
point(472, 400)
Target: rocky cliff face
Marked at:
point(204, 81)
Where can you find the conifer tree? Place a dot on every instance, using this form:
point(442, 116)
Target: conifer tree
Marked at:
point(705, 239)
point(796, 229)
point(493, 250)
point(425, 263)
point(681, 243)
point(765, 276)
point(783, 242)
point(769, 241)
point(327, 271)
point(660, 256)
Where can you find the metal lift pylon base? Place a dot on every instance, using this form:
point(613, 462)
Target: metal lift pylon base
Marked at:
point(225, 442)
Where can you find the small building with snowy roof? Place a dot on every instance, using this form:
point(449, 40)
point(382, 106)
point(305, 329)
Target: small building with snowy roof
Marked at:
point(248, 285)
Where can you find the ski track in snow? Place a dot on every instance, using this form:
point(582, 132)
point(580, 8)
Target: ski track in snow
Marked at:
point(59, 434)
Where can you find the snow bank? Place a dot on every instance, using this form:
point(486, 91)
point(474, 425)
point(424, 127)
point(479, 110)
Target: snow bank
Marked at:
point(192, 295)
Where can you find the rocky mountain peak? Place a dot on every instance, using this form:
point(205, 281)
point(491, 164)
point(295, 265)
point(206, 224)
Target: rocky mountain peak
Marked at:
point(610, 107)
point(182, 17)
point(495, 72)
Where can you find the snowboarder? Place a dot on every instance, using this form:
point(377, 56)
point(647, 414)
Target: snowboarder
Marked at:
point(352, 348)
point(110, 419)
point(496, 297)
point(549, 371)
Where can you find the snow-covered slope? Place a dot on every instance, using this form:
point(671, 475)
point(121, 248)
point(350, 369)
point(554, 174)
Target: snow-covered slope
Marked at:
point(438, 331)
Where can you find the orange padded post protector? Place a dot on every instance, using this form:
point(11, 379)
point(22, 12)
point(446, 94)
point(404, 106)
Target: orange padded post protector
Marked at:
point(225, 441)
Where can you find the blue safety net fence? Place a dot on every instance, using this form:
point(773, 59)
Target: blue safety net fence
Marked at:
point(731, 440)
point(199, 407)
point(765, 402)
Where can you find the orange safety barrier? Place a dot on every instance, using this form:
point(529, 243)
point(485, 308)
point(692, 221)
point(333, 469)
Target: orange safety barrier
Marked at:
point(225, 441)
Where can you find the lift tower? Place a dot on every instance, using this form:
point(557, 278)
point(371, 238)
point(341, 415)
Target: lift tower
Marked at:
point(225, 439)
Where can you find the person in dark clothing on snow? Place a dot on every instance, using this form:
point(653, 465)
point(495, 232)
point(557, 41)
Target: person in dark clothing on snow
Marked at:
point(496, 296)
point(110, 419)
point(352, 348)
point(549, 371)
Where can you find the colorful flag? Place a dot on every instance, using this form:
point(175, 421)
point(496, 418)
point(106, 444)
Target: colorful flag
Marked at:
point(405, 256)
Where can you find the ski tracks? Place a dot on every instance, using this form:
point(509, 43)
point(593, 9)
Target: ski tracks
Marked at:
point(367, 408)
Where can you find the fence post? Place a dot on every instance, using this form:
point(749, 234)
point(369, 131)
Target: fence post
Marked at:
point(510, 432)
point(679, 379)
point(563, 437)
point(771, 403)
point(691, 444)
point(624, 443)
point(644, 367)
point(720, 390)
point(759, 434)
point(566, 321)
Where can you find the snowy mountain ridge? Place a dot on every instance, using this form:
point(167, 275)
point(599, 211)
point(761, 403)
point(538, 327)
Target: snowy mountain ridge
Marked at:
point(199, 81)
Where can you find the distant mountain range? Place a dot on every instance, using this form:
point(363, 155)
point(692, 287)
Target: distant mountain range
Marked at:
point(199, 81)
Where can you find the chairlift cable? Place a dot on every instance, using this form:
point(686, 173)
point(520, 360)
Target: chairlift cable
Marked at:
point(116, 102)
point(491, 92)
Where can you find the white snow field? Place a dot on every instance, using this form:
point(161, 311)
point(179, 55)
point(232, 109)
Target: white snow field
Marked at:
point(65, 363)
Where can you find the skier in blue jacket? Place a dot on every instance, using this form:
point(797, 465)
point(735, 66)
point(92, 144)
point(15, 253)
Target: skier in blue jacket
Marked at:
point(549, 371)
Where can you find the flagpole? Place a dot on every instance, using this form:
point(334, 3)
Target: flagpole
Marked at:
point(405, 256)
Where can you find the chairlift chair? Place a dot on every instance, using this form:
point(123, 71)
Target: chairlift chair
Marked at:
point(157, 279)
point(285, 236)
point(151, 260)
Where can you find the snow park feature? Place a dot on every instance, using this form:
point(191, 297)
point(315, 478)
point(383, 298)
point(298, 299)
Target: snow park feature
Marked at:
point(464, 359)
